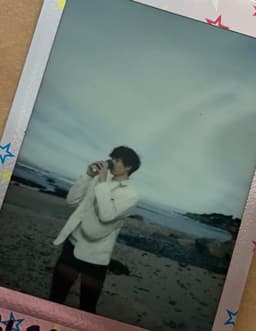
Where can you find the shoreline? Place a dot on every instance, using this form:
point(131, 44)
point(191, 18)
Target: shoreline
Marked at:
point(212, 255)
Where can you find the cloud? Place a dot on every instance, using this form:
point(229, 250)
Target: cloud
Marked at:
point(178, 91)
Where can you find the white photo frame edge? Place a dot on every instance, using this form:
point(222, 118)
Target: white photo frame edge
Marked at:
point(18, 121)
point(28, 86)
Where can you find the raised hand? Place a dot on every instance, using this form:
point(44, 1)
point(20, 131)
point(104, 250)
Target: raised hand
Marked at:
point(103, 171)
point(93, 169)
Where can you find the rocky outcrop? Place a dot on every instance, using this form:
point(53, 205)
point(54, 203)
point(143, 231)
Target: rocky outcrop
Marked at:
point(222, 250)
point(224, 222)
point(137, 217)
point(186, 242)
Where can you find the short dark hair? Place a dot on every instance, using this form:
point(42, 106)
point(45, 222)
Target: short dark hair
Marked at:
point(129, 157)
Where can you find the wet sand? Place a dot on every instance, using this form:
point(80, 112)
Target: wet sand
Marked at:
point(156, 293)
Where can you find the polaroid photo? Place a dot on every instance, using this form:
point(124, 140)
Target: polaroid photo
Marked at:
point(131, 182)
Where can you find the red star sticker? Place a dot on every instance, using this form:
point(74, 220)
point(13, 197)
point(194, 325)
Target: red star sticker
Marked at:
point(254, 245)
point(217, 23)
point(255, 10)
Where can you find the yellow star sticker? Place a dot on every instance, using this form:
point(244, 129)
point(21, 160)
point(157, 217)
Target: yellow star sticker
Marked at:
point(6, 175)
point(61, 4)
point(56, 327)
point(165, 8)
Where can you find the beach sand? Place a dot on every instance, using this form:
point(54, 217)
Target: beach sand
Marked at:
point(159, 294)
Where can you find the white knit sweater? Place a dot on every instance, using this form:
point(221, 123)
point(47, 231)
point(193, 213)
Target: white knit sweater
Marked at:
point(101, 209)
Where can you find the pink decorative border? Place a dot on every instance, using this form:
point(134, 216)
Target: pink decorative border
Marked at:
point(234, 15)
point(49, 315)
point(239, 266)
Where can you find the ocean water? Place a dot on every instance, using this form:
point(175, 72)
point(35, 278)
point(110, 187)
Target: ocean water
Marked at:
point(151, 212)
point(180, 223)
point(40, 179)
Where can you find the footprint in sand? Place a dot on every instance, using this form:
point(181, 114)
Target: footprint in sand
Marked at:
point(178, 310)
point(172, 302)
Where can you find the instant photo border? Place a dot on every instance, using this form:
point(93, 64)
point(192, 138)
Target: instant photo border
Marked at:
point(17, 124)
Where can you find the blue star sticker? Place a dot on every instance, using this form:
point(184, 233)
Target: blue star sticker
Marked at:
point(5, 148)
point(231, 314)
point(17, 321)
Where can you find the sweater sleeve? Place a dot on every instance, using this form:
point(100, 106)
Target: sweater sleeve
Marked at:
point(110, 206)
point(78, 190)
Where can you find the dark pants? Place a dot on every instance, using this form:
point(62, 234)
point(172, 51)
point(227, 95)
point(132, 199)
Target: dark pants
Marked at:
point(67, 271)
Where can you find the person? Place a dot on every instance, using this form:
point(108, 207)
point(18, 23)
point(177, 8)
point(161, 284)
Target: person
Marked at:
point(101, 206)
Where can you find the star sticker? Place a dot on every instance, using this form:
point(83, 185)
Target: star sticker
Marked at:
point(254, 245)
point(17, 321)
point(217, 23)
point(7, 153)
point(165, 8)
point(230, 321)
point(6, 175)
point(255, 10)
point(61, 4)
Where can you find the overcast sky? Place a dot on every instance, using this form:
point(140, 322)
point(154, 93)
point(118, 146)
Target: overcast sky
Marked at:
point(180, 92)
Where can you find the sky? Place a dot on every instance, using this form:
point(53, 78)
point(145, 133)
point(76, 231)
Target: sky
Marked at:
point(180, 92)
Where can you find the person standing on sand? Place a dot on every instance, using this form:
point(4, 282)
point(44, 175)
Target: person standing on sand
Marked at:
point(89, 235)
